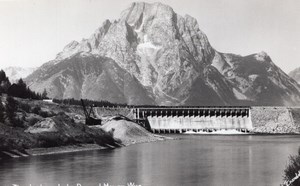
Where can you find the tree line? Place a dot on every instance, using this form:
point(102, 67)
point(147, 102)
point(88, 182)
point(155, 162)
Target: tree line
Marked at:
point(72, 101)
point(9, 107)
point(19, 89)
point(8, 111)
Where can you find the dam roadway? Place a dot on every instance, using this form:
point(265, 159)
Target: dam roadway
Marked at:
point(182, 119)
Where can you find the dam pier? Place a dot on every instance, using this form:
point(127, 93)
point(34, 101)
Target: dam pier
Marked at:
point(196, 119)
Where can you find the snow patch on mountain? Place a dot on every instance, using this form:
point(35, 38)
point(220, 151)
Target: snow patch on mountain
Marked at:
point(147, 44)
point(239, 95)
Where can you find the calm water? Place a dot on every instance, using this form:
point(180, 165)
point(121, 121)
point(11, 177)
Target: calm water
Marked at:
point(193, 160)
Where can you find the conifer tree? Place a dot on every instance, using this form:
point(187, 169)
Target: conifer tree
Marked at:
point(11, 108)
point(44, 94)
point(2, 110)
point(4, 82)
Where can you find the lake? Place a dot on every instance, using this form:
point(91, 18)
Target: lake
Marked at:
point(239, 160)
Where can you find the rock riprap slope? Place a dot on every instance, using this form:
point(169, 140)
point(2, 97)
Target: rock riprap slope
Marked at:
point(151, 55)
point(275, 120)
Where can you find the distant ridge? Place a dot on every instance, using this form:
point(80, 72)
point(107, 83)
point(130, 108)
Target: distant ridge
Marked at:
point(295, 74)
point(15, 73)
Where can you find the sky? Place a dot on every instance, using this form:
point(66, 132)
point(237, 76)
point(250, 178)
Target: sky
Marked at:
point(32, 32)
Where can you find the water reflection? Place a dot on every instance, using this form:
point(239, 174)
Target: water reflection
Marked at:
point(193, 160)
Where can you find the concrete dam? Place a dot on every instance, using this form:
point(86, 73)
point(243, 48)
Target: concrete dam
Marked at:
point(197, 119)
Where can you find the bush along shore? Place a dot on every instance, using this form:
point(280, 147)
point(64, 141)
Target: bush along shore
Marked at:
point(35, 127)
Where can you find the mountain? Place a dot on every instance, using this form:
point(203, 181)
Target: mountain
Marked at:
point(15, 73)
point(84, 75)
point(295, 74)
point(151, 55)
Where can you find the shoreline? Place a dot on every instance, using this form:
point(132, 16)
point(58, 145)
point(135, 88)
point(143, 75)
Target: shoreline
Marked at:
point(244, 134)
point(64, 149)
point(92, 147)
point(80, 148)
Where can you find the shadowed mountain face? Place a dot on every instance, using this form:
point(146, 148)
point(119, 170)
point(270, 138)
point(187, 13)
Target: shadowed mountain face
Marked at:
point(152, 55)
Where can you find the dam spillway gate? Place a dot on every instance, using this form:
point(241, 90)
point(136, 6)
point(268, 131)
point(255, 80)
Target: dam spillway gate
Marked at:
point(196, 119)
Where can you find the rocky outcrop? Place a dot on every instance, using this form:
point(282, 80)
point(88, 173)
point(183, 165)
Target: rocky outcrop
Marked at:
point(155, 56)
point(45, 125)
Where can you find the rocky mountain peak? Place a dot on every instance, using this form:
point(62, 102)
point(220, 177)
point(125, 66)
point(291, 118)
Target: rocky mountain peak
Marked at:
point(262, 56)
point(68, 50)
point(168, 60)
point(71, 46)
point(140, 10)
point(99, 34)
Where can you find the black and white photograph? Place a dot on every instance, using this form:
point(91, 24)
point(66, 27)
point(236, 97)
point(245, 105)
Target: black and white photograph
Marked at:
point(149, 93)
